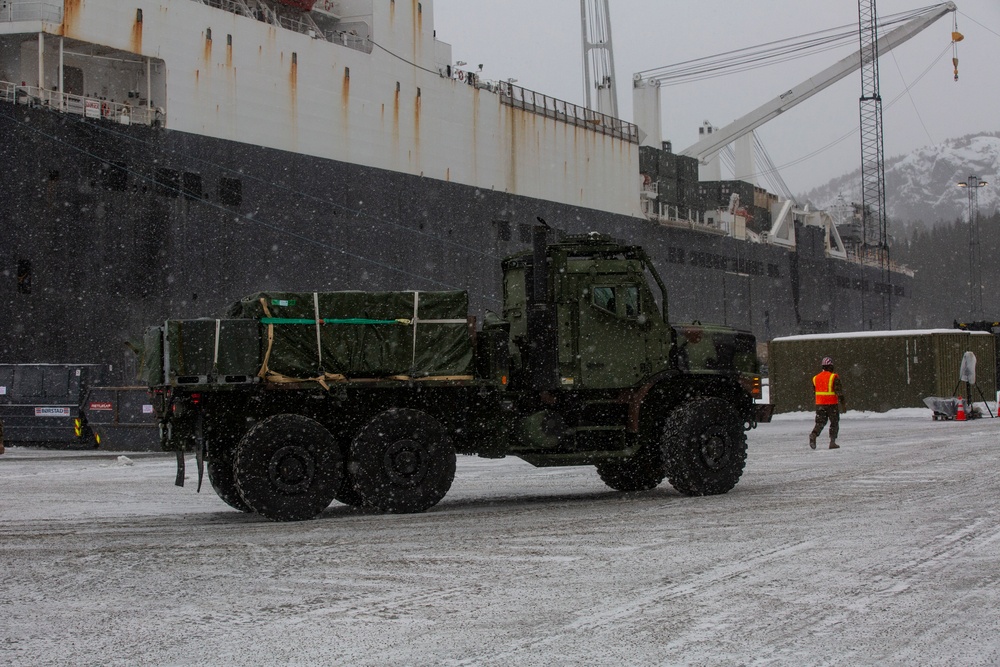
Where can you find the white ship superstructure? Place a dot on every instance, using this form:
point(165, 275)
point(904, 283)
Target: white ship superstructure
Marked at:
point(358, 81)
point(165, 157)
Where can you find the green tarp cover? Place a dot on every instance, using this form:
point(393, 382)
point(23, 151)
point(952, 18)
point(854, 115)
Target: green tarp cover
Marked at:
point(362, 334)
point(211, 347)
point(202, 347)
point(151, 357)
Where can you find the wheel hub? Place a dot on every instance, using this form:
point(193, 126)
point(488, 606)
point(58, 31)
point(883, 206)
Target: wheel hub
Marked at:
point(713, 451)
point(405, 462)
point(291, 469)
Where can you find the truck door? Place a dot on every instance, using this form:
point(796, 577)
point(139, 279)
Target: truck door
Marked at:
point(612, 337)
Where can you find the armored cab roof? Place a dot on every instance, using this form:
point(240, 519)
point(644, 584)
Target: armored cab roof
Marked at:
point(593, 244)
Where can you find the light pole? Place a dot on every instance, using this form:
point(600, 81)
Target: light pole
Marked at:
point(972, 184)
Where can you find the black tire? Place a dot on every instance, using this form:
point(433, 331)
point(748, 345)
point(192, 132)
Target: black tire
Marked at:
point(288, 468)
point(704, 447)
point(641, 472)
point(223, 480)
point(402, 461)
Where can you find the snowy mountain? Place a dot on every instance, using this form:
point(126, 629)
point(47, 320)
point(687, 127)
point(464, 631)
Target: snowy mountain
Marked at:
point(921, 186)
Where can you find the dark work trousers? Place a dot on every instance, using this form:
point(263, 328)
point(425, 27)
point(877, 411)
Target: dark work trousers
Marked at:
point(826, 413)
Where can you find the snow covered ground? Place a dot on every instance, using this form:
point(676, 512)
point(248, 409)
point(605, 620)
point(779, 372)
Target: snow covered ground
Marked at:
point(883, 552)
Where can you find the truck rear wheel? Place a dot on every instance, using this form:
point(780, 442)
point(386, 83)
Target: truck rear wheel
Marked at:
point(288, 468)
point(641, 472)
point(220, 475)
point(704, 447)
point(402, 461)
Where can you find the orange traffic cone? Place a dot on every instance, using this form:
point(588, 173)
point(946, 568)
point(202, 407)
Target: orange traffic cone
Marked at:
point(960, 412)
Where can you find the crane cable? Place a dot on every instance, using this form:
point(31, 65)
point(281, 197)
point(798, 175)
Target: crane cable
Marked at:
point(769, 53)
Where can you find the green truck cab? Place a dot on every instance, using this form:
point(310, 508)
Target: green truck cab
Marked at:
point(366, 398)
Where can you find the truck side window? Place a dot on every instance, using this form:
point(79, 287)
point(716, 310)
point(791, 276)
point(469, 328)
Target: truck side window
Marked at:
point(604, 298)
point(630, 296)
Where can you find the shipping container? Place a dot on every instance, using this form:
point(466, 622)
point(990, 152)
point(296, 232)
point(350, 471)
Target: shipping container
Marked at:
point(122, 418)
point(649, 161)
point(708, 191)
point(667, 165)
point(881, 370)
point(40, 404)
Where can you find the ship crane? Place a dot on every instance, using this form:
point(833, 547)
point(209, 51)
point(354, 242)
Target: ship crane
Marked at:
point(647, 98)
point(873, 153)
point(601, 93)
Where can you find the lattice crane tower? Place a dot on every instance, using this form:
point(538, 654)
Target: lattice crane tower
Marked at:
point(874, 225)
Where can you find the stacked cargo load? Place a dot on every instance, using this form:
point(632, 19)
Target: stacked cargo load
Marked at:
point(318, 336)
point(675, 178)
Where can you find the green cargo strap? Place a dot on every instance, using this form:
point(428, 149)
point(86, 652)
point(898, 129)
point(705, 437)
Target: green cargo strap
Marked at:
point(351, 320)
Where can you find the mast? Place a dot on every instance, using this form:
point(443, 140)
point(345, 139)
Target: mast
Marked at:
point(601, 94)
point(874, 225)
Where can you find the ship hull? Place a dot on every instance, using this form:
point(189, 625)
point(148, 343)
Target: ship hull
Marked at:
point(109, 229)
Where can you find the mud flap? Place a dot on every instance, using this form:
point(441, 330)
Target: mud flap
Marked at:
point(200, 458)
point(179, 480)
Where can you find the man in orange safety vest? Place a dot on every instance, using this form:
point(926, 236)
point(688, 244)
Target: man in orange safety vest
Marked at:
point(829, 403)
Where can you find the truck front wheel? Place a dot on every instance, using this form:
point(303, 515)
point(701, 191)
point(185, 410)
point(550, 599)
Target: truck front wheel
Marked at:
point(402, 461)
point(704, 447)
point(288, 468)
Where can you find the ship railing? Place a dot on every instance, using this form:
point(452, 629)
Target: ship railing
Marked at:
point(550, 107)
point(682, 217)
point(30, 10)
point(302, 24)
point(88, 107)
point(232, 6)
point(876, 258)
point(351, 40)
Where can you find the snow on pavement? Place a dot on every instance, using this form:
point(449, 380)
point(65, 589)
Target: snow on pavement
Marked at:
point(883, 552)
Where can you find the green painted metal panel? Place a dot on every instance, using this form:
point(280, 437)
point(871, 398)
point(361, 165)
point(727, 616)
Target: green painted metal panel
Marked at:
point(880, 370)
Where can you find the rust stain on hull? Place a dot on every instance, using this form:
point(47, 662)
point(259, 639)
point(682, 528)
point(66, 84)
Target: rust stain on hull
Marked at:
point(293, 92)
point(395, 123)
point(416, 125)
point(418, 26)
point(71, 15)
point(135, 41)
point(345, 100)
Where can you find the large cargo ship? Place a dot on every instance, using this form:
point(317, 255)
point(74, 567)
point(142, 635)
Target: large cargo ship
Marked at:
point(165, 157)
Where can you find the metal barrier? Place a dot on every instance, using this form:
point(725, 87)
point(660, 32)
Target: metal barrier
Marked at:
point(302, 24)
point(550, 107)
point(88, 107)
point(30, 10)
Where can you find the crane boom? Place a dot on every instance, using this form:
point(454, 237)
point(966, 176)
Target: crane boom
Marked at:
point(720, 138)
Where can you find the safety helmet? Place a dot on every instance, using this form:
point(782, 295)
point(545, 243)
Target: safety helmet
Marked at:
point(827, 361)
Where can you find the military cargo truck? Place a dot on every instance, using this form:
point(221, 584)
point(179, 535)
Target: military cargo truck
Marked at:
point(296, 400)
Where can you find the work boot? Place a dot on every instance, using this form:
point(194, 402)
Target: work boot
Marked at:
point(812, 441)
point(834, 445)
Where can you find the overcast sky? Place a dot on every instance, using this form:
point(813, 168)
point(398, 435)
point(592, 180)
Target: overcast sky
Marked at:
point(538, 42)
